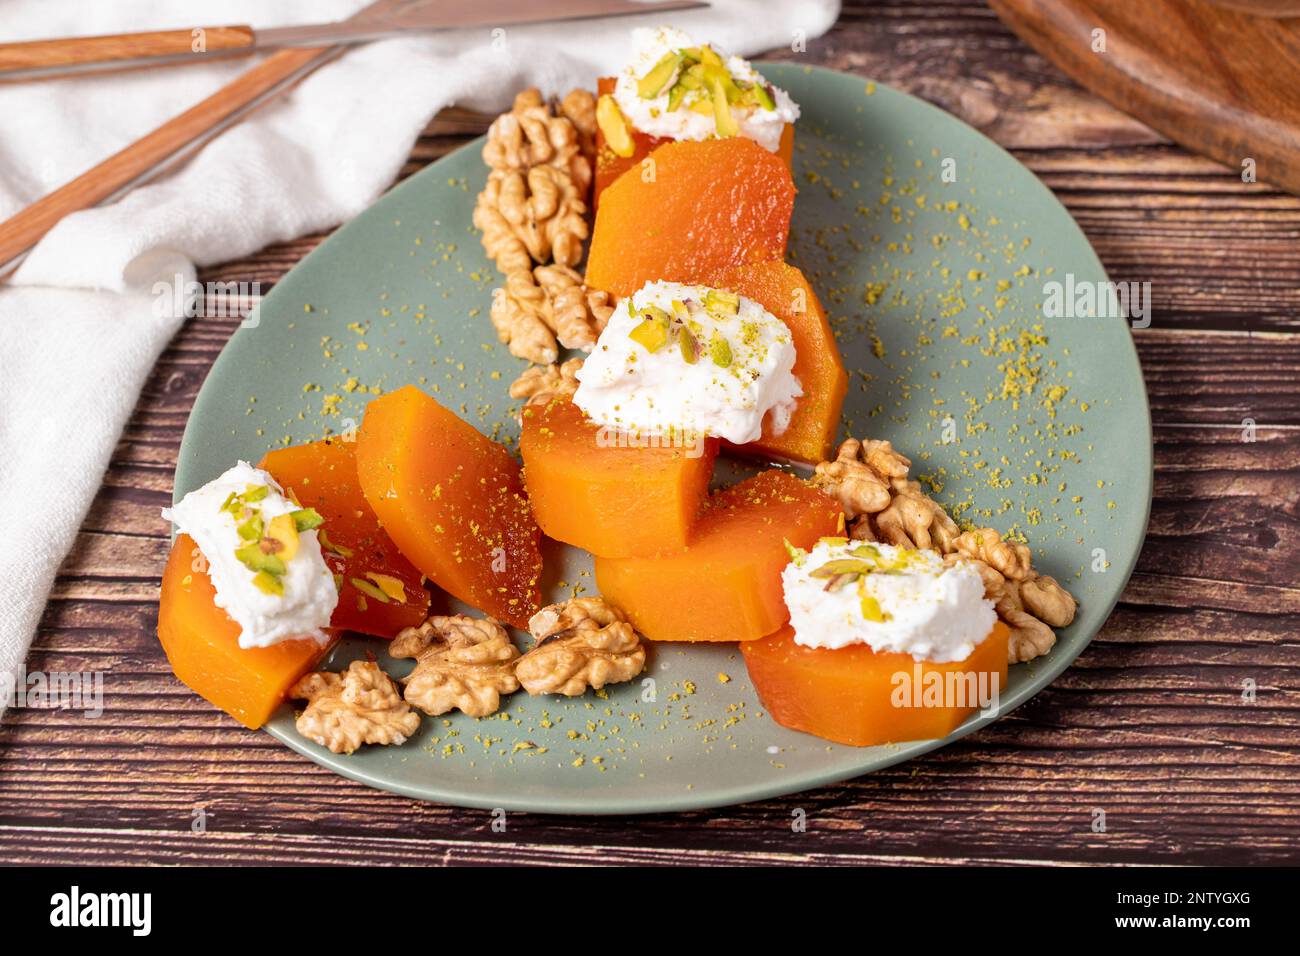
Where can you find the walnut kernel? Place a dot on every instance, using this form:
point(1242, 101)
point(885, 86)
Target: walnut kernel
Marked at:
point(360, 705)
point(462, 663)
point(584, 642)
point(539, 384)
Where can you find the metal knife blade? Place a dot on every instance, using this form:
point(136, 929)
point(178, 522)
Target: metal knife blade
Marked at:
point(389, 18)
point(381, 20)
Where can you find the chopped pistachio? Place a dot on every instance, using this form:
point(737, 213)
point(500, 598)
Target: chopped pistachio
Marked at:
point(840, 581)
point(738, 93)
point(268, 583)
point(717, 79)
point(720, 351)
point(690, 348)
point(613, 124)
point(692, 78)
point(763, 96)
point(331, 546)
point(368, 589)
point(251, 530)
point(305, 519)
point(708, 56)
point(255, 559)
point(871, 607)
point(390, 585)
point(727, 125)
point(838, 566)
point(721, 302)
point(283, 530)
point(650, 335)
point(659, 77)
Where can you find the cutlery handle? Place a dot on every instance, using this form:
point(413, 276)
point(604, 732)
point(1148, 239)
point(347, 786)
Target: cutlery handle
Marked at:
point(120, 170)
point(43, 54)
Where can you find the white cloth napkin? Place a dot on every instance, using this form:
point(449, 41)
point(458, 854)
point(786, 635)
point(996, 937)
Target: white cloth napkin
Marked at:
point(78, 329)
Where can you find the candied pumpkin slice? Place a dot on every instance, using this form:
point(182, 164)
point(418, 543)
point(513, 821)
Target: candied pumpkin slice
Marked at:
point(725, 585)
point(785, 292)
point(453, 502)
point(380, 592)
point(610, 165)
point(708, 206)
point(202, 644)
point(855, 696)
point(596, 488)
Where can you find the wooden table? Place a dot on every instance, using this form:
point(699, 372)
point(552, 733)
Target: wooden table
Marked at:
point(1149, 725)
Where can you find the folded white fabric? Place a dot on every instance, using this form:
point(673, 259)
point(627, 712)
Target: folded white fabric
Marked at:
point(78, 329)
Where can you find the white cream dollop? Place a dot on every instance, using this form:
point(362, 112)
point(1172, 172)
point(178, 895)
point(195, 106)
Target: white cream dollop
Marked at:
point(653, 117)
point(928, 609)
point(624, 386)
point(309, 598)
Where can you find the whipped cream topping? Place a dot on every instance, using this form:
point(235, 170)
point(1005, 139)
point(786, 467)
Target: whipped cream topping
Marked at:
point(690, 119)
point(213, 517)
point(690, 360)
point(895, 600)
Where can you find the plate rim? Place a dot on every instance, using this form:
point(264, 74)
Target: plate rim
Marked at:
point(714, 798)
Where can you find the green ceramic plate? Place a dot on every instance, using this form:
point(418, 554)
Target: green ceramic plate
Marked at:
point(931, 249)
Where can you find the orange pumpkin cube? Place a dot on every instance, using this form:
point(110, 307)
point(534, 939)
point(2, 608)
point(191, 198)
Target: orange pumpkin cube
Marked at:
point(380, 591)
point(855, 696)
point(725, 585)
point(453, 502)
point(708, 206)
point(610, 165)
point(785, 292)
point(589, 487)
point(202, 645)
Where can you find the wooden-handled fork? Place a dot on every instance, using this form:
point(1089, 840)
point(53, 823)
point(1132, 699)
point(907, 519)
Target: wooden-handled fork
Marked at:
point(383, 18)
point(172, 142)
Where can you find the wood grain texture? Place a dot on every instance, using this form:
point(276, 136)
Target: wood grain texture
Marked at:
point(1149, 725)
point(45, 54)
point(1220, 81)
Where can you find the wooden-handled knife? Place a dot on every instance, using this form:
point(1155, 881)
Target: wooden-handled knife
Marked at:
point(181, 136)
point(38, 59)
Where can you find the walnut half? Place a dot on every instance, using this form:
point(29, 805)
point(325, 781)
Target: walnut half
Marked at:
point(538, 133)
point(584, 642)
point(358, 706)
point(534, 216)
point(1029, 603)
point(540, 384)
point(860, 475)
point(538, 308)
point(462, 663)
